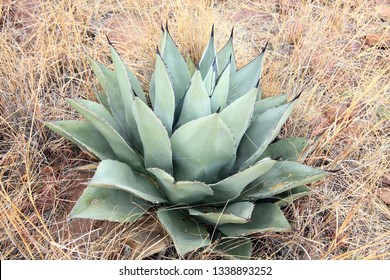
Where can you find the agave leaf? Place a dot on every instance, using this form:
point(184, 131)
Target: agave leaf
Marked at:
point(102, 98)
point(84, 135)
point(265, 217)
point(186, 233)
point(235, 213)
point(201, 148)
point(261, 133)
point(188, 192)
point(246, 78)
point(284, 176)
point(155, 140)
point(164, 99)
point(108, 204)
point(221, 90)
point(99, 110)
point(226, 56)
point(271, 102)
point(191, 65)
point(135, 85)
point(286, 149)
point(196, 102)
point(109, 82)
point(121, 149)
point(210, 79)
point(122, 79)
point(208, 56)
point(232, 186)
point(176, 66)
point(113, 174)
point(289, 196)
point(235, 248)
point(237, 116)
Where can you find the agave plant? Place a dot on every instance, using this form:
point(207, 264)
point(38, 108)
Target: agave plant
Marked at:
point(199, 149)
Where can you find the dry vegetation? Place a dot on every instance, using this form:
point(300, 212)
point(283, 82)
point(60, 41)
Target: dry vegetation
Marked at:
point(337, 51)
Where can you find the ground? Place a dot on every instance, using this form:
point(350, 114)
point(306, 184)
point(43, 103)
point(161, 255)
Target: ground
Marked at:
point(337, 52)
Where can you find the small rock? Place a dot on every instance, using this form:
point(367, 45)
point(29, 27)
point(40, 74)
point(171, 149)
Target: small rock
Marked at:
point(377, 40)
point(384, 194)
point(383, 12)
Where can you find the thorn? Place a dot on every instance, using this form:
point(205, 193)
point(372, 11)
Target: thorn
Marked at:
point(265, 47)
point(333, 171)
point(258, 83)
point(166, 26)
point(212, 31)
point(231, 33)
point(158, 51)
point(299, 95)
point(162, 27)
point(108, 40)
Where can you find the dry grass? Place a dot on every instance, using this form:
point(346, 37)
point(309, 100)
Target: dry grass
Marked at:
point(323, 47)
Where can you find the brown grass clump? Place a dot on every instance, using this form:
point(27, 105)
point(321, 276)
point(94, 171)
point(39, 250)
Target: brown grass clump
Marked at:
point(337, 51)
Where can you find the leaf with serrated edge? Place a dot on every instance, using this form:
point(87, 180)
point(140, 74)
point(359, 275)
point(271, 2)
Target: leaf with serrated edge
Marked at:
point(186, 233)
point(265, 217)
point(237, 116)
point(196, 101)
point(232, 186)
point(208, 56)
point(188, 192)
point(113, 174)
point(285, 149)
point(225, 55)
point(109, 204)
point(108, 80)
point(121, 149)
point(282, 177)
point(261, 133)
point(219, 98)
point(268, 103)
point(155, 140)
point(235, 248)
point(235, 213)
point(84, 135)
point(201, 148)
point(289, 196)
point(246, 78)
point(176, 66)
point(164, 99)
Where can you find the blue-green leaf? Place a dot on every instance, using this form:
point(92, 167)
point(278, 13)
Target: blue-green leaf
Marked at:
point(265, 217)
point(109, 205)
point(84, 135)
point(235, 248)
point(112, 174)
point(186, 233)
point(208, 56)
point(121, 149)
point(232, 186)
point(283, 176)
point(268, 103)
point(226, 56)
point(164, 99)
point(179, 192)
point(261, 133)
point(196, 101)
point(176, 66)
point(155, 140)
point(237, 116)
point(235, 213)
point(286, 149)
point(201, 148)
point(246, 78)
point(221, 90)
